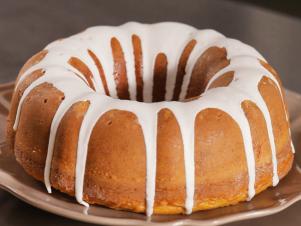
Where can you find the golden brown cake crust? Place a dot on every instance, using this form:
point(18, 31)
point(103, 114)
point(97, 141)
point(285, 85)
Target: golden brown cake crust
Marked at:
point(122, 186)
point(116, 162)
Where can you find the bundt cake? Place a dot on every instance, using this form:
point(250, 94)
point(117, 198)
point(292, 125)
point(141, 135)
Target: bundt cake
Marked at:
point(160, 118)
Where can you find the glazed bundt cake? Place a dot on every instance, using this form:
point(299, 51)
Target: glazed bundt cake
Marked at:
point(159, 118)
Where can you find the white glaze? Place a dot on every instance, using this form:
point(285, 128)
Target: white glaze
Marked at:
point(170, 39)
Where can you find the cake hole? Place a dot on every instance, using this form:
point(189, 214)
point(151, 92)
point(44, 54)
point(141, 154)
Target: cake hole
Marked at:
point(163, 88)
point(45, 101)
point(63, 98)
point(109, 122)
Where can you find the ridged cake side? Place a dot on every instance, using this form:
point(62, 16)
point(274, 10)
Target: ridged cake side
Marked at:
point(139, 155)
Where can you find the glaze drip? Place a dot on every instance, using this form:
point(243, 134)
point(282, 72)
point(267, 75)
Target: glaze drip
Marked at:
point(121, 66)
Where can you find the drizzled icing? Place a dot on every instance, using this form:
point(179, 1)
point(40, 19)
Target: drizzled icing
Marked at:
point(170, 39)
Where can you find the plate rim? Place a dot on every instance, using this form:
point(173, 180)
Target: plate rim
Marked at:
point(16, 190)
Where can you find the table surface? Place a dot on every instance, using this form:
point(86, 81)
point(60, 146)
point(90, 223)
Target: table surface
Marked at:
point(27, 26)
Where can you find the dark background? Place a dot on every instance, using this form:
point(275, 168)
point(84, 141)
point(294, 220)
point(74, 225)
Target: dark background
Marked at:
point(272, 27)
point(290, 7)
